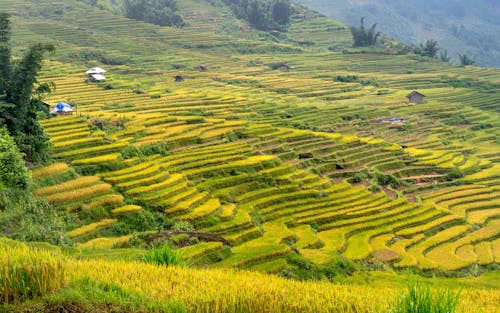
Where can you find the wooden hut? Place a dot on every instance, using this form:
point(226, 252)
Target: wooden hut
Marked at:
point(416, 97)
point(179, 78)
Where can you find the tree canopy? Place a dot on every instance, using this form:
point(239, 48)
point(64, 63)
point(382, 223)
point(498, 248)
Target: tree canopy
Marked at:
point(22, 94)
point(159, 12)
point(263, 15)
point(13, 172)
point(364, 37)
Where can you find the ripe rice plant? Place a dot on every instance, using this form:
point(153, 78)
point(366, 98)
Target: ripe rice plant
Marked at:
point(126, 209)
point(50, 170)
point(26, 274)
point(67, 186)
point(78, 194)
point(91, 227)
point(97, 160)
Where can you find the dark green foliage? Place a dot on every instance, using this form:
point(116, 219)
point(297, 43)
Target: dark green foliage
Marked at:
point(164, 256)
point(159, 12)
point(466, 60)
point(300, 268)
point(386, 180)
point(346, 78)
point(481, 126)
point(419, 299)
point(13, 171)
point(443, 56)
point(455, 173)
point(5, 52)
point(364, 37)
point(23, 96)
point(26, 218)
point(263, 15)
point(428, 49)
point(282, 12)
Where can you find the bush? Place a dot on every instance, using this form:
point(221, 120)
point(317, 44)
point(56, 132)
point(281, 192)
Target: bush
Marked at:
point(27, 274)
point(25, 218)
point(346, 78)
point(164, 256)
point(13, 171)
point(159, 12)
point(263, 15)
point(421, 299)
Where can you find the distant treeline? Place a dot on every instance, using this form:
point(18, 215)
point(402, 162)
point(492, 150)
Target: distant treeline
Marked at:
point(158, 12)
point(263, 14)
point(366, 37)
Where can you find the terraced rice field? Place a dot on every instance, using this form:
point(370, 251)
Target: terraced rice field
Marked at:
point(275, 162)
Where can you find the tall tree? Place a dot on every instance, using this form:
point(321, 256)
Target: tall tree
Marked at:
point(5, 53)
point(466, 60)
point(282, 12)
point(363, 37)
point(430, 48)
point(444, 56)
point(23, 99)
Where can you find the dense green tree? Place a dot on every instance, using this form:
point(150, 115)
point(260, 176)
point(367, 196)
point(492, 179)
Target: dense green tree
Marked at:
point(466, 60)
point(443, 56)
point(263, 15)
point(159, 12)
point(430, 48)
point(13, 171)
point(22, 99)
point(364, 37)
point(282, 12)
point(5, 54)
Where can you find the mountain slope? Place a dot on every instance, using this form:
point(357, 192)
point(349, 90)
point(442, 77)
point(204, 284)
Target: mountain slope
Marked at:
point(284, 149)
point(463, 27)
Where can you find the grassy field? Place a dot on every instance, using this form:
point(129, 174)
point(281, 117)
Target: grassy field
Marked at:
point(293, 169)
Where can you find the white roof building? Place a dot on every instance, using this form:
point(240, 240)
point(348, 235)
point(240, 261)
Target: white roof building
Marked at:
point(97, 77)
point(96, 70)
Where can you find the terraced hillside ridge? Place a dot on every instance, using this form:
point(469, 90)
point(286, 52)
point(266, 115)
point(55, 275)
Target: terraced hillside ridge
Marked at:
point(278, 160)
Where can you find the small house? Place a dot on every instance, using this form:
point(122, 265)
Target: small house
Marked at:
point(202, 68)
point(62, 108)
point(96, 74)
point(179, 78)
point(285, 67)
point(246, 28)
point(416, 97)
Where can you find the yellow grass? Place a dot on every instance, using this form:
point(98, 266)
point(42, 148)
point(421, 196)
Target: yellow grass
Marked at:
point(126, 209)
point(50, 170)
point(91, 227)
point(69, 185)
point(78, 194)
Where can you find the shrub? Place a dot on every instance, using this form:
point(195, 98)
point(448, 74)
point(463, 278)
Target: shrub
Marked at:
point(163, 256)
point(420, 299)
point(13, 172)
point(27, 274)
point(346, 78)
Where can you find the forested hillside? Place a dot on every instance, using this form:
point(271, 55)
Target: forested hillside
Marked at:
point(461, 27)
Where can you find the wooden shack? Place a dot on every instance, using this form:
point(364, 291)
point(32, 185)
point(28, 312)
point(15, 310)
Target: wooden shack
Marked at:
point(416, 97)
point(179, 78)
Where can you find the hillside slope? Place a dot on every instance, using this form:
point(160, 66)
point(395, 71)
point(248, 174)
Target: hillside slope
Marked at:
point(284, 149)
point(463, 27)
